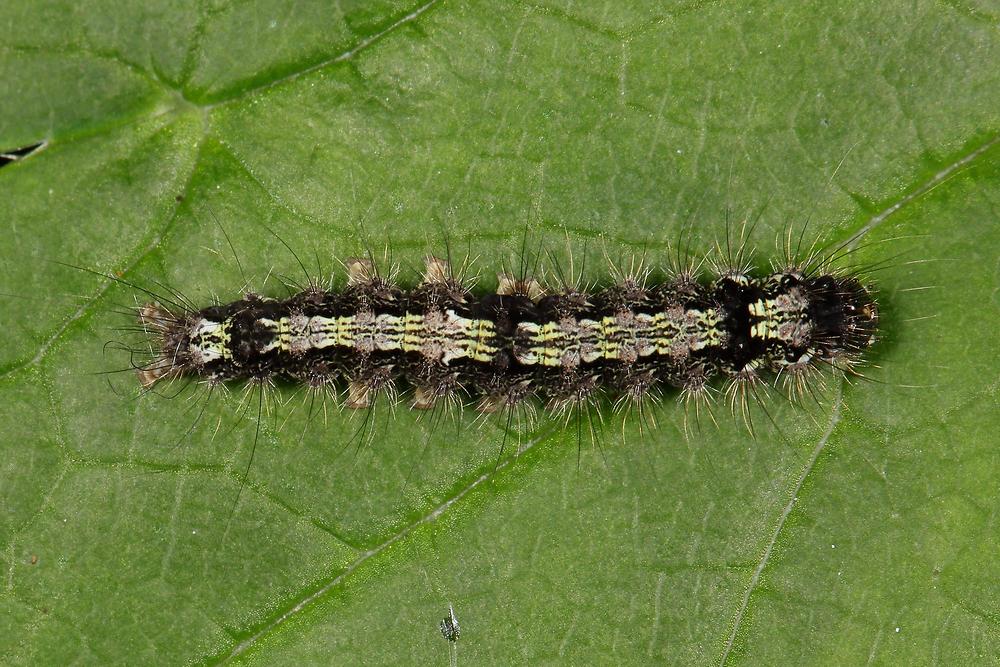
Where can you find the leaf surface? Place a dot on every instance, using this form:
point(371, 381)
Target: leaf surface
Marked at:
point(860, 527)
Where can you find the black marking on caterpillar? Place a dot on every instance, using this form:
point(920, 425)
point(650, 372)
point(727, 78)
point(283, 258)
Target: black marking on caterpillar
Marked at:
point(568, 345)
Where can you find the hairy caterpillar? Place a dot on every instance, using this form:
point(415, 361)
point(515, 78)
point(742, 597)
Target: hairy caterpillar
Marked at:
point(565, 344)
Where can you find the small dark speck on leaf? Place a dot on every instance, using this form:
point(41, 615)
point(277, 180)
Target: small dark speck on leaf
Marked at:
point(449, 626)
point(15, 154)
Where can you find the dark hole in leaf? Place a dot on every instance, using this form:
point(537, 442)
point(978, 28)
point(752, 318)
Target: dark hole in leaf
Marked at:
point(15, 154)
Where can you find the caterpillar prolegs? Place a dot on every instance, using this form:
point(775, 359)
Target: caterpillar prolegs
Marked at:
point(566, 345)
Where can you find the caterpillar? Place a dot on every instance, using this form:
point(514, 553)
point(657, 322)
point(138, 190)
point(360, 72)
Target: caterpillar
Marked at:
point(567, 345)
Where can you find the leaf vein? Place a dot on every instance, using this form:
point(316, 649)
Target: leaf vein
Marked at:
point(344, 56)
point(769, 548)
point(313, 597)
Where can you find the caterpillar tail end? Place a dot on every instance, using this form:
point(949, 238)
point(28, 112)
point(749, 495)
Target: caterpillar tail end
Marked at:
point(156, 320)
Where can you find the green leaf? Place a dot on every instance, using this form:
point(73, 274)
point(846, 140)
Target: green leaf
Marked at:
point(859, 528)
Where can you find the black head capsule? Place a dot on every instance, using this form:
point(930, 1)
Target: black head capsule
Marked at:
point(844, 314)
